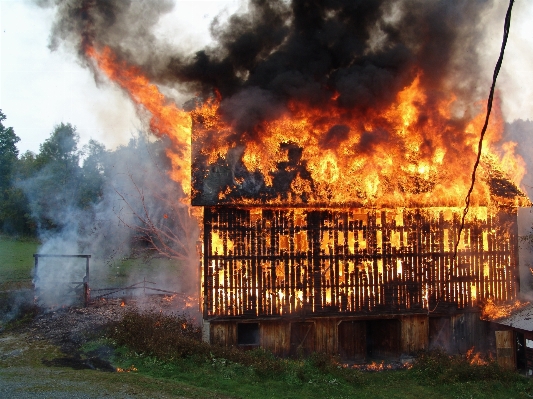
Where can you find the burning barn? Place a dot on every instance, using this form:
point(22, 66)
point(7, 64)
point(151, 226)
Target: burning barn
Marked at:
point(332, 147)
point(296, 276)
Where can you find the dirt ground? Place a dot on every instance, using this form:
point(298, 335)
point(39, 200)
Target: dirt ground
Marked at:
point(41, 358)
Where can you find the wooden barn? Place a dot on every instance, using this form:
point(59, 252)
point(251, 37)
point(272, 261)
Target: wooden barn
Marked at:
point(359, 283)
point(301, 255)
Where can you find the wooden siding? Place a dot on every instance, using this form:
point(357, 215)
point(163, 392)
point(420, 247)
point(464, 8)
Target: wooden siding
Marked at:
point(275, 337)
point(528, 338)
point(505, 349)
point(356, 339)
point(224, 334)
point(351, 340)
point(291, 262)
point(415, 334)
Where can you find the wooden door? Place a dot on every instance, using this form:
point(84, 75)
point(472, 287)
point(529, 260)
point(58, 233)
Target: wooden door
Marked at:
point(302, 338)
point(351, 338)
point(505, 349)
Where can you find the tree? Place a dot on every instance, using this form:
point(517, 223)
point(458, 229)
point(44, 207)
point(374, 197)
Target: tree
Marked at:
point(92, 174)
point(52, 186)
point(8, 154)
point(14, 211)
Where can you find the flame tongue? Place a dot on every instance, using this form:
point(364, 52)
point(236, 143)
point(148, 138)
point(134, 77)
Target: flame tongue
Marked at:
point(166, 118)
point(411, 153)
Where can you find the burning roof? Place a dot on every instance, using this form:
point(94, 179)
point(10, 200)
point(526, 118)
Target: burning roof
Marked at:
point(517, 315)
point(342, 102)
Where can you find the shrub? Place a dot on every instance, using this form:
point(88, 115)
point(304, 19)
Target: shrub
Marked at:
point(439, 367)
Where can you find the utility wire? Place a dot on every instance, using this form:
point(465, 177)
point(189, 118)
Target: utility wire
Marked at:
point(506, 27)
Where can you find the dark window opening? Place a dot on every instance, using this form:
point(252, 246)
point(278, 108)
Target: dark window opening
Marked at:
point(521, 360)
point(248, 333)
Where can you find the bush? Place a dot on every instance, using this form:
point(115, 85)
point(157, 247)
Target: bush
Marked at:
point(171, 337)
point(438, 367)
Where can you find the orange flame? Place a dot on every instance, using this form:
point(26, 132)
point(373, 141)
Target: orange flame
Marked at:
point(166, 118)
point(411, 153)
point(475, 358)
point(491, 311)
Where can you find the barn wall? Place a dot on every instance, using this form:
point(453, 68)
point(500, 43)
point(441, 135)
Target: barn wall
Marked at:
point(351, 340)
point(286, 262)
point(275, 337)
point(357, 339)
point(326, 335)
point(223, 333)
point(469, 331)
point(528, 338)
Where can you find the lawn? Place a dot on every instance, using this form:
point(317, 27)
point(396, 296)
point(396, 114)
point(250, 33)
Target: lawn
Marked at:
point(16, 262)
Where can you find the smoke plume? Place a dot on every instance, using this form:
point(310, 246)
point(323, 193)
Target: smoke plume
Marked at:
point(360, 53)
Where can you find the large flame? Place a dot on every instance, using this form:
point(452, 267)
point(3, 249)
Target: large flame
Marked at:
point(413, 152)
point(165, 117)
point(494, 311)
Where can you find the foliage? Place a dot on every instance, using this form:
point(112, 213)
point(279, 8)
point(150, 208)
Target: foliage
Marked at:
point(13, 205)
point(438, 367)
point(8, 153)
point(55, 183)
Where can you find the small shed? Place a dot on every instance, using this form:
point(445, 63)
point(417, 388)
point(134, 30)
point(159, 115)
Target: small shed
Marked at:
point(514, 339)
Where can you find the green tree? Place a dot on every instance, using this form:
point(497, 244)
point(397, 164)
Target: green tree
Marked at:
point(52, 183)
point(92, 174)
point(8, 154)
point(14, 211)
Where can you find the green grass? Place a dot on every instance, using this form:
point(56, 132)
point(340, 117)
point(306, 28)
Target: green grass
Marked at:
point(302, 379)
point(16, 262)
point(21, 359)
point(165, 348)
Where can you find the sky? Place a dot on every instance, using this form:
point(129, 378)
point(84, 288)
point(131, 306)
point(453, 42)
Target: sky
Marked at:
point(40, 88)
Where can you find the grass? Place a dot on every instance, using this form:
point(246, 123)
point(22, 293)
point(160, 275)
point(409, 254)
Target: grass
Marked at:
point(16, 262)
point(168, 348)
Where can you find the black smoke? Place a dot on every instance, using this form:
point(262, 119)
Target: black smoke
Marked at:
point(354, 54)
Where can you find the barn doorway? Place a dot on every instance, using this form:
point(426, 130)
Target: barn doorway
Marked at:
point(383, 339)
point(302, 338)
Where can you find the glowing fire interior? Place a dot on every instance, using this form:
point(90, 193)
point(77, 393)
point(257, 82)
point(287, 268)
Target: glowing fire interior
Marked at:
point(408, 154)
point(283, 261)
